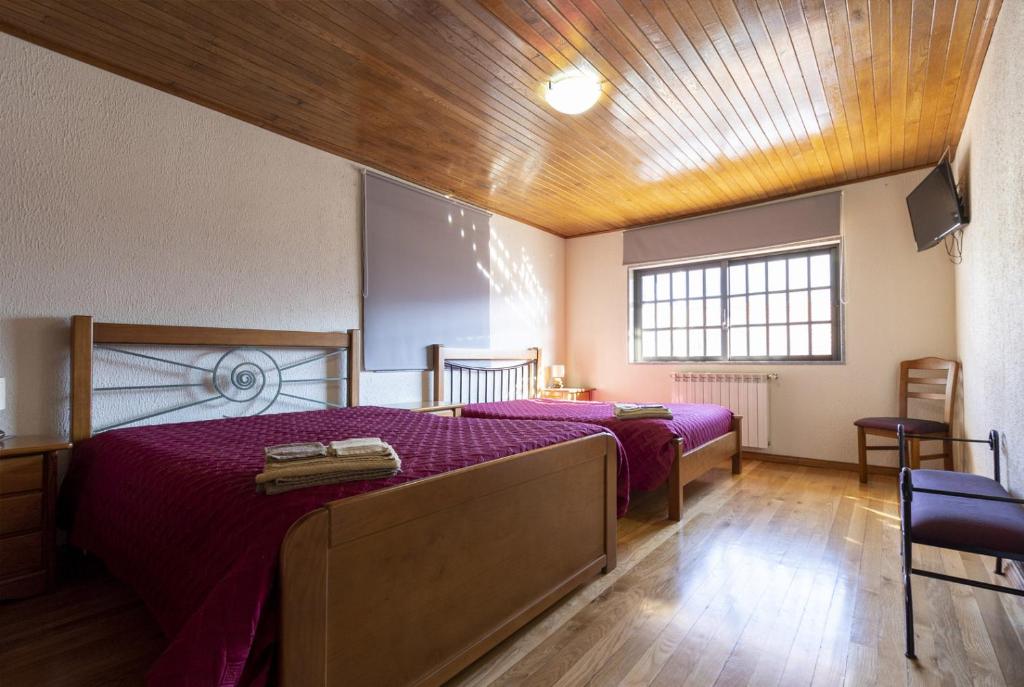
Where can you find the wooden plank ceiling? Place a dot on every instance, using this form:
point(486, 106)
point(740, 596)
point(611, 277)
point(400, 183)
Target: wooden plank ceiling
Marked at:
point(706, 104)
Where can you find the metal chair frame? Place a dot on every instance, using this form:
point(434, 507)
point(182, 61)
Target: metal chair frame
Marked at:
point(907, 491)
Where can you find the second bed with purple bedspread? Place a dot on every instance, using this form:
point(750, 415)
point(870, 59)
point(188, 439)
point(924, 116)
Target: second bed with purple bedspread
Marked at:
point(646, 445)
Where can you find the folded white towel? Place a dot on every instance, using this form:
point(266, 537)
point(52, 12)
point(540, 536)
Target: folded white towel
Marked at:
point(637, 411)
point(369, 446)
point(300, 451)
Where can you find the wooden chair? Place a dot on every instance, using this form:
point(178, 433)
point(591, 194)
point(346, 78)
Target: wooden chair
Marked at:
point(927, 376)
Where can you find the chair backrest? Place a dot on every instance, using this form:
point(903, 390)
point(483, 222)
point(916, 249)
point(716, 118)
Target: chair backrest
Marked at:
point(932, 379)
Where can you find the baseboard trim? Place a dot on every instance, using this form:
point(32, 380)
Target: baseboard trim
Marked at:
point(818, 463)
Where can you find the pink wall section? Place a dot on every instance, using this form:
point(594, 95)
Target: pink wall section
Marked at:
point(900, 305)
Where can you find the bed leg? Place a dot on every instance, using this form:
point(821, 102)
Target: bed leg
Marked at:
point(675, 485)
point(611, 515)
point(737, 458)
point(304, 619)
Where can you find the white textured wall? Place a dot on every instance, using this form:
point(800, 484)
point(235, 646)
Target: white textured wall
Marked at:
point(528, 293)
point(990, 282)
point(132, 205)
point(901, 305)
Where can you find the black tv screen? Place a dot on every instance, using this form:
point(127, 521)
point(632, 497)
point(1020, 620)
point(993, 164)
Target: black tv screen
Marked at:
point(935, 209)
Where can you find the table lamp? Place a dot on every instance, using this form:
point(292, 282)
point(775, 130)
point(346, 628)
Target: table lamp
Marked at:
point(557, 376)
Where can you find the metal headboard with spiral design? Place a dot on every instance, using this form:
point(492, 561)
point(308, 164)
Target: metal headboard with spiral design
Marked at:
point(243, 373)
point(511, 375)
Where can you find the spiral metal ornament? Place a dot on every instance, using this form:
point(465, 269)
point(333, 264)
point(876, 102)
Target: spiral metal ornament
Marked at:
point(248, 375)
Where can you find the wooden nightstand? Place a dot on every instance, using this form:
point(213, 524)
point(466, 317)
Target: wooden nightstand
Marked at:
point(433, 407)
point(567, 393)
point(28, 499)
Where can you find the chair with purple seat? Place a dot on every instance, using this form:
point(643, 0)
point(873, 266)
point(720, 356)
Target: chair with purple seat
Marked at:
point(919, 380)
point(956, 510)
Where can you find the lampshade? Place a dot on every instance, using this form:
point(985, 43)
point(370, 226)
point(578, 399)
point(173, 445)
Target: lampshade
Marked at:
point(3, 394)
point(573, 93)
point(558, 371)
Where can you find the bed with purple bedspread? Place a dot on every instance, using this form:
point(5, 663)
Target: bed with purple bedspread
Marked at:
point(646, 445)
point(173, 511)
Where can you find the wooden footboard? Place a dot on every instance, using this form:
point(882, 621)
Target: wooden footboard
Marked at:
point(408, 586)
point(692, 464)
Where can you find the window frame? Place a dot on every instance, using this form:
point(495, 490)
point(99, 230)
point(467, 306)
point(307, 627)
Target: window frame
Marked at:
point(837, 355)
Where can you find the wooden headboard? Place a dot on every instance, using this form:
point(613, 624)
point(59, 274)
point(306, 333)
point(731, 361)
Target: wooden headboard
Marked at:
point(87, 335)
point(466, 383)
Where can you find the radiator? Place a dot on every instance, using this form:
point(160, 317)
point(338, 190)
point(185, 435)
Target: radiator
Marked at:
point(743, 393)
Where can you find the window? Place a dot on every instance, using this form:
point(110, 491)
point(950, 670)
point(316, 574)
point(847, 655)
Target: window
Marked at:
point(782, 306)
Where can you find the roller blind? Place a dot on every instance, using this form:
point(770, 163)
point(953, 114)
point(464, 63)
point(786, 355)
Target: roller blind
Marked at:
point(425, 265)
point(763, 226)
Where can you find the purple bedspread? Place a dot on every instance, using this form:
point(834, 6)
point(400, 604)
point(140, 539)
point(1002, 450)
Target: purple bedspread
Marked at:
point(645, 445)
point(173, 511)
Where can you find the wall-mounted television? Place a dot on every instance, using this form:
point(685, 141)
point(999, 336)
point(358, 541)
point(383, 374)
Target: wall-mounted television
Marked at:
point(935, 208)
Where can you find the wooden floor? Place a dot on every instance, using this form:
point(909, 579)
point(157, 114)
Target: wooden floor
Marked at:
point(785, 575)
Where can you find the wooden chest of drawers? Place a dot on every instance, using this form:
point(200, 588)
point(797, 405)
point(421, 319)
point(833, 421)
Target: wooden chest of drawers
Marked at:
point(28, 492)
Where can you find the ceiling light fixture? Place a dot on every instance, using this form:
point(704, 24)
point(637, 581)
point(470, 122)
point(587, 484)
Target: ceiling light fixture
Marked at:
point(573, 93)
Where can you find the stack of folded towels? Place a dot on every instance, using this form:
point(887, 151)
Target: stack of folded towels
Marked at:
point(637, 411)
point(296, 466)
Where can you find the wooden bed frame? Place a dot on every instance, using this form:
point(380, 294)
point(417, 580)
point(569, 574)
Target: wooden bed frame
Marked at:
point(692, 464)
point(687, 466)
point(527, 359)
point(411, 584)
